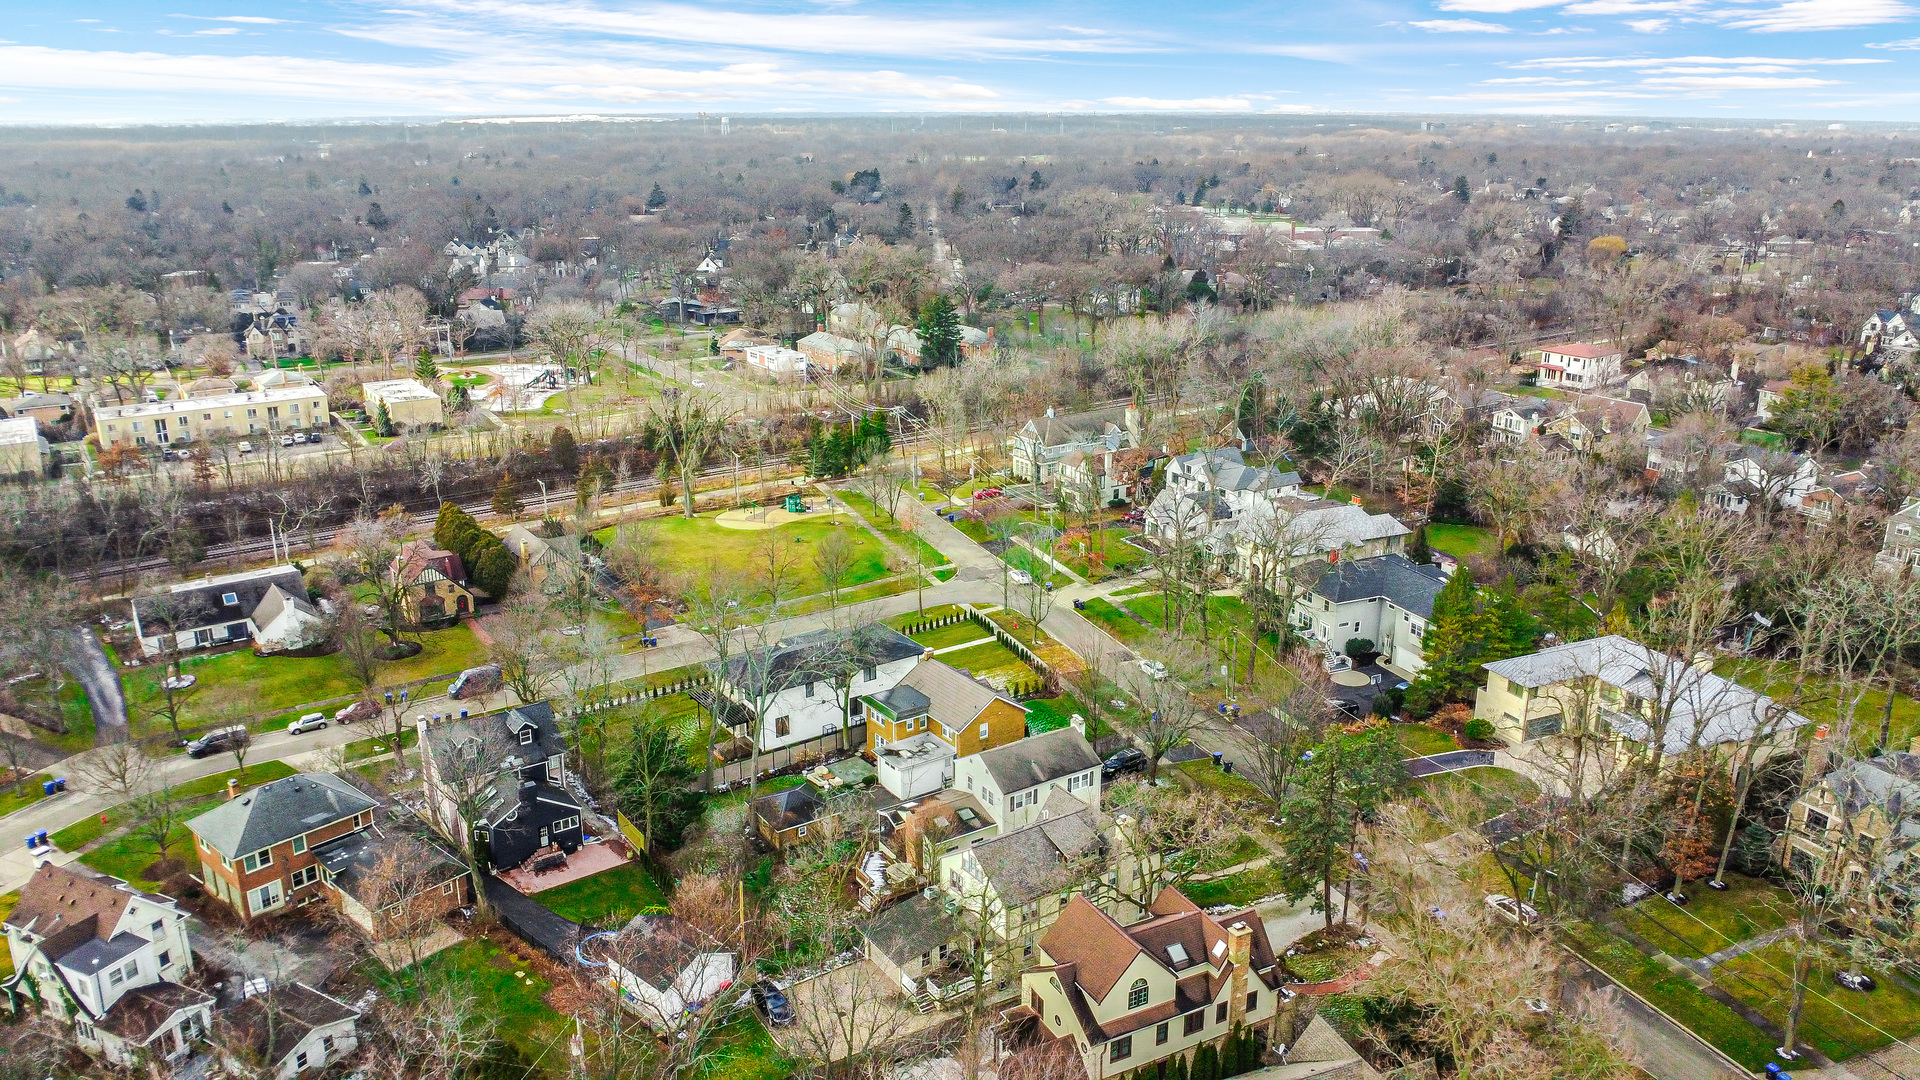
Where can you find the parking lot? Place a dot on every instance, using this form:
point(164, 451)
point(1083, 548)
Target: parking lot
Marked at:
point(252, 449)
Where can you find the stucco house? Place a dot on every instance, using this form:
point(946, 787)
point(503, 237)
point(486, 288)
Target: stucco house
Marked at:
point(1014, 781)
point(435, 582)
point(812, 684)
point(1386, 599)
point(1041, 445)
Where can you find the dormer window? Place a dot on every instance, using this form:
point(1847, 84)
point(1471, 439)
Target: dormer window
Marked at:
point(526, 736)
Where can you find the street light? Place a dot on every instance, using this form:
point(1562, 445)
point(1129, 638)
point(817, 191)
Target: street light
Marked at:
point(543, 499)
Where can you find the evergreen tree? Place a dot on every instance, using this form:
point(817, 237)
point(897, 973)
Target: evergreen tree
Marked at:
point(1460, 189)
point(457, 399)
point(1417, 549)
point(495, 567)
point(1467, 629)
point(656, 198)
point(382, 423)
point(1337, 785)
point(564, 450)
point(506, 501)
point(939, 332)
point(425, 369)
point(445, 524)
point(657, 784)
point(376, 217)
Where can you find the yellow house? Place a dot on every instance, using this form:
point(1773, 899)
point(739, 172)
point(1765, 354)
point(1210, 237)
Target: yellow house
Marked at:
point(434, 580)
point(1615, 687)
point(409, 402)
point(935, 697)
point(1868, 813)
point(238, 415)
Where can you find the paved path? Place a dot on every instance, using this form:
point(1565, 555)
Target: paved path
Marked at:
point(90, 664)
point(1706, 964)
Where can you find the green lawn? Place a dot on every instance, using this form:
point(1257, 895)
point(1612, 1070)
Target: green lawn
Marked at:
point(1492, 791)
point(239, 684)
point(974, 530)
point(25, 793)
point(1114, 621)
point(766, 787)
point(1461, 541)
point(1116, 557)
point(909, 542)
point(1421, 740)
point(81, 833)
point(372, 746)
point(1048, 714)
point(482, 971)
point(1675, 995)
point(1746, 909)
point(1839, 1023)
point(6, 908)
point(607, 899)
point(691, 547)
point(742, 1050)
point(916, 618)
point(872, 591)
point(1241, 888)
point(957, 634)
point(1819, 703)
point(1203, 773)
point(991, 661)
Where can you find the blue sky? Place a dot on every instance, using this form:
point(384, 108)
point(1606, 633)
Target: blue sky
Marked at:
point(152, 60)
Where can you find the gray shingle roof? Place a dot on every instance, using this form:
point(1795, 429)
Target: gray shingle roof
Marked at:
point(903, 701)
point(956, 700)
point(1024, 764)
point(1410, 586)
point(818, 655)
point(278, 811)
point(910, 928)
point(1049, 856)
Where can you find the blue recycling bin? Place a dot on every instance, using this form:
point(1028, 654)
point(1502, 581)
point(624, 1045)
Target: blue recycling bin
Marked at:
point(59, 784)
point(47, 788)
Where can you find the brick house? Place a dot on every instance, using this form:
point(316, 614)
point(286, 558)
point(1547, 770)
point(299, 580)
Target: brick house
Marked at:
point(256, 849)
point(935, 697)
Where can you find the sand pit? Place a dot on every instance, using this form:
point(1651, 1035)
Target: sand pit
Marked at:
point(771, 517)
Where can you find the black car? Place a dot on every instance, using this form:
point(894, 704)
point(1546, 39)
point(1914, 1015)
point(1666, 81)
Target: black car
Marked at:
point(215, 742)
point(1127, 760)
point(772, 1003)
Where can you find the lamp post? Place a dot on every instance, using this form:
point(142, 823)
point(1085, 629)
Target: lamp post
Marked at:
point(543, 499)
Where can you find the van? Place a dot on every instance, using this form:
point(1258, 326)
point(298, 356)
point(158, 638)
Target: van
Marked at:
point(213, 742)
point(475, 681)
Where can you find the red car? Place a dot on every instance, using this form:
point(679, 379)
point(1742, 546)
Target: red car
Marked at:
point(987, 493)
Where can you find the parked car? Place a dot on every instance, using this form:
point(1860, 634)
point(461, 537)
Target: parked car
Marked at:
point(313, 721)
point(245, 447)
point(1512, 910)
point(289, 439)
point(772, 1003)
point(1129, 760)
point(1134, 517)
point(1154, 669)
point(214, 742)
point(1350, 709)
point(1021, 577)
point(988, 493)
point(359, 710)
point(475, 681)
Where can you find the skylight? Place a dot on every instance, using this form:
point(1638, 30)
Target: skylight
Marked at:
point(1177, 953)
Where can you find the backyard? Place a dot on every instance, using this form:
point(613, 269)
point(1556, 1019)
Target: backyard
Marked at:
point(607, 899)
point(513, 992)
point(1461, 541)
point(1818, 701)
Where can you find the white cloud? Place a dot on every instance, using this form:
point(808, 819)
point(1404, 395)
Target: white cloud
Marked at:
point(1810, 15)
point(1495, 7)
point(260, 20)
point(1206, 104)
point(1737, 82)
point(1649, 26)
point(1744, 64)
point(1630, 7)
point(218, 31)
point(1460, 26)
point(1542, 80)
point(1904, 44)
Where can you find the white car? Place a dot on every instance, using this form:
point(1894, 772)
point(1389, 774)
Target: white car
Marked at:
point(313, 721)
point(1021, 577)
point(1512, 910)
point(289, 440)
point(1153, 668)
point(246, 448)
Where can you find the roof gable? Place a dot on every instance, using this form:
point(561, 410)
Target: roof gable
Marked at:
point(1038, 759)
point(278, 811)
point(59, 899)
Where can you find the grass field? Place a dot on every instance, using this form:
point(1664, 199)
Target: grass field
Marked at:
point(482, 971)
point(1461, 541)
point(909, 542)
point(915, 618)
point(1839, 1023)
point(1490, 790)
point(1714, 920)
point(1421, 740)
point(742, 1050)
point(1675, 995)
point(991, 661)
point(1242, 888)
point(691, 547)
point(27, 792)
point(81, 833)
point(957, 634)
point(6, 908)
point(607, 899)
point(237, 684)
point(1819, 703)
point(1207, 776)
point(1116, 557)
point(1048, 714)
point(1105, 615)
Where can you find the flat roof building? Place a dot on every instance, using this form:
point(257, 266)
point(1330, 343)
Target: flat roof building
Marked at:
point(409, 402)
point(255, 412)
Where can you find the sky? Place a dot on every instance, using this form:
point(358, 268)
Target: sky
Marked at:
point(134, 61)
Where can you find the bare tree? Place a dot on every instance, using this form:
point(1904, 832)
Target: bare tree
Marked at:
point(833, 560)
point(523, 644)
point(1168, 715)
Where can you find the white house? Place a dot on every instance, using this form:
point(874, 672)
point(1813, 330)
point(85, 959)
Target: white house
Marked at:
point(1578, 366)
point(291, 1030)
point(1754, 472)
point(107, 958)
point(287, 620)
point(1887, 333)
point(775, 359)
point(663, 966)
point(217, 610)
point(1519, 419)
point(1386, 600)
point(1226, 471)
point(810, 685)
point(1013, 781)
point(1039, 447)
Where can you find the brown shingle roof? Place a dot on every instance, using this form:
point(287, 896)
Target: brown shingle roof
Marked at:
point(63, 902)
point(1097, 946)
point(272, 1024)
point(956, 700)
point(144, 1011)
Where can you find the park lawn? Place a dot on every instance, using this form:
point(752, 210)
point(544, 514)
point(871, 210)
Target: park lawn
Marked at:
point(906, 540)
point(27, 792)
point(1714, 920)
point(741, 1049)
point(239, 684)
point(607, 899)
point(1421, 740)
point(1050, 714)
point(81, 833)
point(956, 634)
point(1673, 994)
point(1236, 889)
point(1820, 704)
point(1839, 1023)
point(1104, 614)
point(484, 972)
point(691, 547)
point(1461, 541)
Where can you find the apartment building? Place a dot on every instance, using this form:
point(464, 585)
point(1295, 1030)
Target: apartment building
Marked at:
point(255, 412)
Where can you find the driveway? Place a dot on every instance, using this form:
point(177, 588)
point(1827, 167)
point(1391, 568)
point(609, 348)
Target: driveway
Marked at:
point(89, 663)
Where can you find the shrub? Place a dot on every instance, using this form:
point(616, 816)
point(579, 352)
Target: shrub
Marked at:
point(1359, 646)
point(1479, 730)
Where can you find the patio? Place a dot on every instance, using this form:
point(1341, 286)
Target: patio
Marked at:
point(589, 860)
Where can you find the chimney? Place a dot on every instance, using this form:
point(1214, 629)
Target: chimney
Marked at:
point(233, 787)
point(1079, 724)
point(1239, 954)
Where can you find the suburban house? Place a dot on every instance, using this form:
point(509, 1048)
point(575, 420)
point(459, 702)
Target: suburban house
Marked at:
point(1774, 477)
point(410, 403)
point(1109, 476)
point(1285, 528)
point(256, 850)
point(831, 352)
point(664, 968)
point(1901, 547)
point(1386, 600)
point(1593, 419)
point(23, 451)
point(1040, 446)
point(1767, 401)
point(1132, 995)
point(211, 610)
point(1013, 781)
point(435, 583)
point(789, 818)
point(1886, 333)
point(920, 944)
point(1224, 471)
point(919, 831)
point(934, 701)
point(46, 408)
point(508, 771)
point(286, 620)
point(107, 958)
point(810, 685)
point(1614, 687)
point(1867, 812)
point(1578, 366)
point(544, 557)
point(1519, 419)
point(289, 1030)
point(775, 360)
point(238, 415)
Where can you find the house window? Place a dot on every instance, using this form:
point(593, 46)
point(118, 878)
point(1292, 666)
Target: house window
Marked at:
point(115, 977)
point(158, 925)
point(1253, 1000)
point(85, 1029)
point(782, 725)
point(266, 896)
point(1220, 1013)
point(1196, 1021)
point(299, 845)
point(526, 736)
point(300, 1061)
point(983, 733)
point(258, 860)
point(1160, 1034)
point(1122, 1048)
point(229, 598)
point(1137, 994)
point(869, 673)
point(305, 876)
point(1817, 822)
point(1036, 1001)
